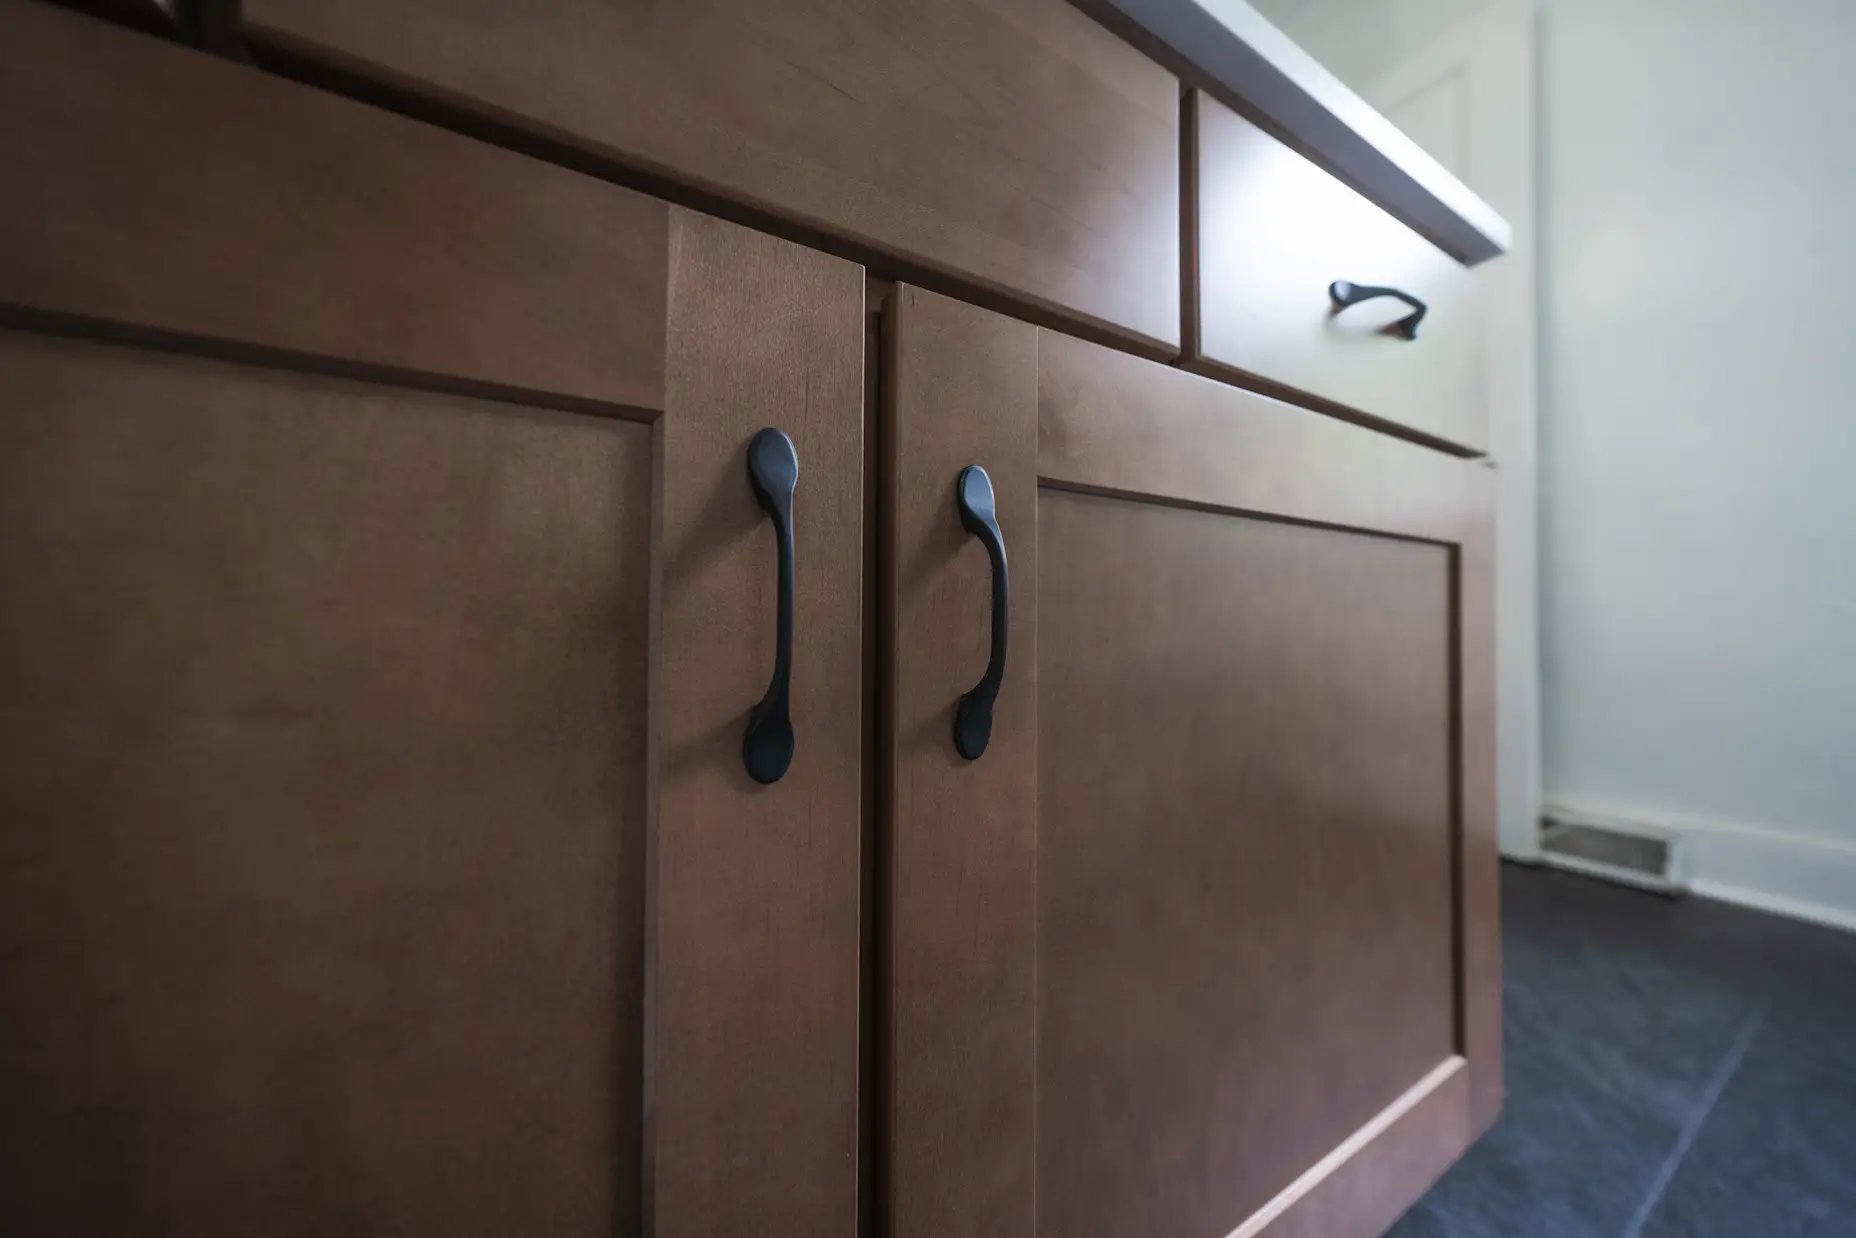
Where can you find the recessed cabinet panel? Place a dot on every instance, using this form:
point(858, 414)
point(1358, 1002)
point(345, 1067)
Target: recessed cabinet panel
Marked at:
point(1244, 846)
point(323, 803)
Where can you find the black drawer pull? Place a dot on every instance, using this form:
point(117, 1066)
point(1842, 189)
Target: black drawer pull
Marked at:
point(773, 471)
point(1344, 294)
point(973, 720)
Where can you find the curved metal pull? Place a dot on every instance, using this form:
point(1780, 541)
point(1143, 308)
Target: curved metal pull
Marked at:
point(773, 471)
point(1344, 294)
point(973, 720)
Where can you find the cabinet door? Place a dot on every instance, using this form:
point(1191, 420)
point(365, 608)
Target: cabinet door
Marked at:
point(385, 600)
point(1204, 941)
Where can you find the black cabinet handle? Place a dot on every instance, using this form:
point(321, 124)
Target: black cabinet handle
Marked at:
point(973, 720)
point(773, 471)
point(1344, 294)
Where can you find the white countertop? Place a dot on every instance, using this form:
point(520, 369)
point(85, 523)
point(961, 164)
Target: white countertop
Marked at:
point(1231, 51)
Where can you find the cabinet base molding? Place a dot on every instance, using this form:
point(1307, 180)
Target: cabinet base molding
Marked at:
point(1400, 1138)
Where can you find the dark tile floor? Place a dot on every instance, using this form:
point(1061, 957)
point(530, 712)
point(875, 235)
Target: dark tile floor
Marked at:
point(1675, 1069)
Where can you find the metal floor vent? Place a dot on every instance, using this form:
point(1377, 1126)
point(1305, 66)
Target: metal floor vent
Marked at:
point(1645, 860)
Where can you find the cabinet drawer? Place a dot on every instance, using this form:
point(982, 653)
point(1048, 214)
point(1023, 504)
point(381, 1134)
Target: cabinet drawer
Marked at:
point(1014, 146)
point(1273, 232)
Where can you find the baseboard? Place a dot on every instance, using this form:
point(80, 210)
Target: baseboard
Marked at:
point(1794, 875)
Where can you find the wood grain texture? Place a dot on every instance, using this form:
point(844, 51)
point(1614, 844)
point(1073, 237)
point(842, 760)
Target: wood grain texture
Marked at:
point(1015, 145)
point(157, 187)
point(1272, 231)
point(1113, 425)
point(1266, 974)
point(962, 836)
point(756, 956)
point(376, 850)
point(322, 805)
point(1245, 903)
point(1111, 422)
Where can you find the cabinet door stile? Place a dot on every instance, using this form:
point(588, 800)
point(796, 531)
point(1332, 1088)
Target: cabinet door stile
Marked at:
point(756, 906)
point(962, 391)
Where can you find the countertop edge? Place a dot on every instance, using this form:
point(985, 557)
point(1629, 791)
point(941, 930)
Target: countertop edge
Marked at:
point(1231, 51)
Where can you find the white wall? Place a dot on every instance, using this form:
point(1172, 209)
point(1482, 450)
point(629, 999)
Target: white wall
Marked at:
point(1357, 40)
point(1700, 432)
point(1697, 216)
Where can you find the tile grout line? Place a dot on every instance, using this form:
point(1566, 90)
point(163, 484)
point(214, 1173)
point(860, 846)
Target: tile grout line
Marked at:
point(1667, 1172)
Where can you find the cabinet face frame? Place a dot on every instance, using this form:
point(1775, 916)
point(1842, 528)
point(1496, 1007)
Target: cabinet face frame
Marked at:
point(201, 218)
point(959, 844)
point(1015, 148)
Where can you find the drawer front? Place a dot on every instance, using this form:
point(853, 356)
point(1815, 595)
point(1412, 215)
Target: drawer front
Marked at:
point(1273, 233)
point(1013, 145)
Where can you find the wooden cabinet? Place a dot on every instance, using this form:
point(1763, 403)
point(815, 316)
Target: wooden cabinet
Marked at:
point(1013, 146)
point(385, 600)
point(389, 595)
point(1202, 943)
point(1272, 234)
